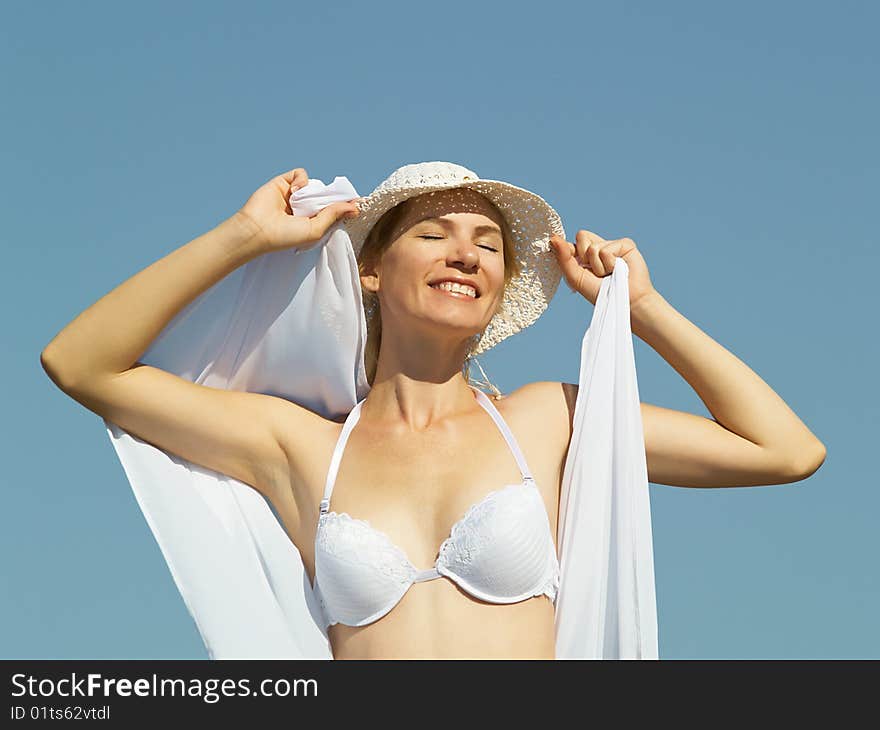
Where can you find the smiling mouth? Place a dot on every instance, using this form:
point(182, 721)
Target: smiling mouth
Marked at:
point(455, 294)
point(458, 291)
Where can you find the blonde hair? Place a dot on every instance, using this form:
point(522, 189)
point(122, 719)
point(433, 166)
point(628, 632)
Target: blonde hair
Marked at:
point(376, 243)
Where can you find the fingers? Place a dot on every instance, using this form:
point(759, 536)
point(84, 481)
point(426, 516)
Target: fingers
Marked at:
point(582, 241)
point(607, 255)
point(328, 215)
point(589, 251)
point(568, 262)
point(597, 254)
point(587, 246)
point(354, 210)
point(295, 178)
point(586, 250)
point(585, 262)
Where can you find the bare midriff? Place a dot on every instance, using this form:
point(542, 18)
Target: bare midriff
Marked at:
point(437, 620)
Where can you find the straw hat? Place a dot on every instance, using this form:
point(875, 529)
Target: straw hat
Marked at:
point(530, 218)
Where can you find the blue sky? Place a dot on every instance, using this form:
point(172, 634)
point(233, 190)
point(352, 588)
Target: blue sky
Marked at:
point(735, 143)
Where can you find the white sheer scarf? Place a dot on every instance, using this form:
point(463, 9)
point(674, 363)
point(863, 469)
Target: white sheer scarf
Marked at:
point(291, 324)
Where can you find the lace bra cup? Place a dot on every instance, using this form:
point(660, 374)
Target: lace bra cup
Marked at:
point(500, 551)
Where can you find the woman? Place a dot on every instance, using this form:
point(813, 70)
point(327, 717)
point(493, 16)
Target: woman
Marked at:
point(367, 502)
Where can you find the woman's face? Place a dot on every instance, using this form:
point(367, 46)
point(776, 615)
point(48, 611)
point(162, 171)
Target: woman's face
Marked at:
point(448, 234)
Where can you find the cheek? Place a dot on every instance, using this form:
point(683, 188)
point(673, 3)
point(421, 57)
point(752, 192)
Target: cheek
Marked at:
point(497, 275)
point(401, 261)
point(498, 282)
point(409, 269)
point(402, 277)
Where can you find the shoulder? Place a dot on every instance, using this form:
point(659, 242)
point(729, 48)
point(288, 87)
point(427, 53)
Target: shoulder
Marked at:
point(545, 402)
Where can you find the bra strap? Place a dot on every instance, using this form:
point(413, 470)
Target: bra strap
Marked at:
point(505, 431)
point(350, 422)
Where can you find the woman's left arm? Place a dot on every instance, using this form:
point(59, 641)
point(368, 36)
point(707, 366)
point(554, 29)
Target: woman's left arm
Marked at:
point(754, 438)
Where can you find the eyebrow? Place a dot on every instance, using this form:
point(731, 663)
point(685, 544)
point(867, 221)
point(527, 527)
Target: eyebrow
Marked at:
point(477, 229)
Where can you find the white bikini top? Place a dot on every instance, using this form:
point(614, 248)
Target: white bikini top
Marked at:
point(500, 551)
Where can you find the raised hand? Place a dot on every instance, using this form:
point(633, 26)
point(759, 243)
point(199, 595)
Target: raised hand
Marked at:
point(268, 209)
point(584, 264)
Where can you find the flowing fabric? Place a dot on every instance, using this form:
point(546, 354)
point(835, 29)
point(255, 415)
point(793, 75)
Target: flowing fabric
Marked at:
point(291, 324)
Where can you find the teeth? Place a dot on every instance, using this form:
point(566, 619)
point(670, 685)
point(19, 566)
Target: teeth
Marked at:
point(456, 287)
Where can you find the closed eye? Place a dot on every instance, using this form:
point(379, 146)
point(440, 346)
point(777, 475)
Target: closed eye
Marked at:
point(436, 238)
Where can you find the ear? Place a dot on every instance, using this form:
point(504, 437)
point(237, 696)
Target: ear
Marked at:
point(370, 282)
point(369, 278)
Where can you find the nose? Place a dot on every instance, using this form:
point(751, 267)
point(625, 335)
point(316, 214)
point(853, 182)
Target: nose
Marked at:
point(464, 253)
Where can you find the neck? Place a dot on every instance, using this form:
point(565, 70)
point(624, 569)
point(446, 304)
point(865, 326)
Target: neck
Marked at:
point(398, 400)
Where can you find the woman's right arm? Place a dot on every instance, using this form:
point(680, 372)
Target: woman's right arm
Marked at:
point(94, 359)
